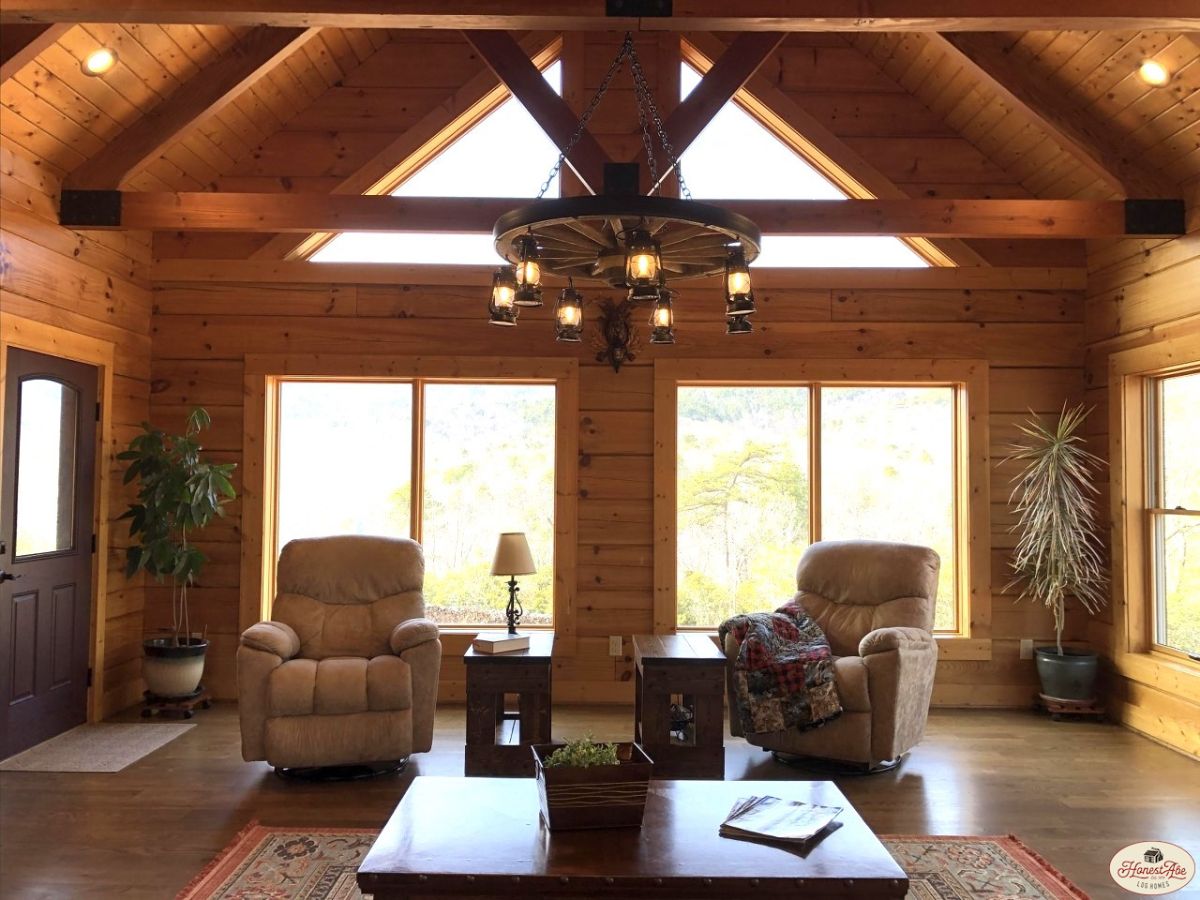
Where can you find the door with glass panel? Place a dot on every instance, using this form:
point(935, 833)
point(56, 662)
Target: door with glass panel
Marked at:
point(47, 474)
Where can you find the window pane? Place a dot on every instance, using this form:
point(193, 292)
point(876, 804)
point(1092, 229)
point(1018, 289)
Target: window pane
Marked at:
point(46, 467)
point(345, 451)
point(489, 468)
point(887, 472)
point(1179, 619)
point(1180, 438)
point(742, 499)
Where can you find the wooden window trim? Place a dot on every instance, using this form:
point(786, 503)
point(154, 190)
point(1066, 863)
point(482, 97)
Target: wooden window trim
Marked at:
point(1134, 653)
point(259, 467)
point(973, 642)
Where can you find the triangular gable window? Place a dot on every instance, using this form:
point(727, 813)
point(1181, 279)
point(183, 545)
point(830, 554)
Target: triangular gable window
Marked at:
point(505, 154)
point(736, 157)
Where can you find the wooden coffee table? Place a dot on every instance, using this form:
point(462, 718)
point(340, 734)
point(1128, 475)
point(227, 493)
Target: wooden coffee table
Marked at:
point(482, 837)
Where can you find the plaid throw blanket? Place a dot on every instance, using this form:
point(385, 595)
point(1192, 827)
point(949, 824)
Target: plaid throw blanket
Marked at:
point(783, 675)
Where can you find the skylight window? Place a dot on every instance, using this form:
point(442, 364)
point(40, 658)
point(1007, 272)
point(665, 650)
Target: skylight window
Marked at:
point(505, 154)
point(736, 157)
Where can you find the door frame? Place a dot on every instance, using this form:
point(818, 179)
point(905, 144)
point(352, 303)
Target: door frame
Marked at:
point(40, 337)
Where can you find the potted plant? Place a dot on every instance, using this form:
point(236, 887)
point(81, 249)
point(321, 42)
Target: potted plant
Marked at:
point(585, 784)
point(179, 492)
point(1058, 552)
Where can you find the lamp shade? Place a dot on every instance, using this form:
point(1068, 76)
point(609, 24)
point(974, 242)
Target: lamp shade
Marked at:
point(513, 556)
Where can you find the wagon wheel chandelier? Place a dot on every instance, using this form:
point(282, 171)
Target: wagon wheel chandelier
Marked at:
point(630, 241)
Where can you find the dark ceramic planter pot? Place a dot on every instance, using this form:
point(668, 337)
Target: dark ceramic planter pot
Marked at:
point(1071, 676)
point(172, 670)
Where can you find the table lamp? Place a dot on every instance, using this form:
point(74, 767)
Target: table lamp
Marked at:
point(512, 559)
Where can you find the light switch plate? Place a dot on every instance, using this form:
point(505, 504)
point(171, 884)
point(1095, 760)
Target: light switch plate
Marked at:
point(1026, 648)
point(615, 647)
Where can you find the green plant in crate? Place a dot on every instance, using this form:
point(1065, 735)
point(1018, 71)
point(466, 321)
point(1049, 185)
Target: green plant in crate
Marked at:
point(583, 753)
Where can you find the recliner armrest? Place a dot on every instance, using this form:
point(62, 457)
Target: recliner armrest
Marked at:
point(409, 634)
point(896, 638)
point(272, 637)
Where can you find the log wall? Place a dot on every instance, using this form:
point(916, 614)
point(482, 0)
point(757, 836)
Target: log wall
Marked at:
point(96, 285)
point(1032, 341)
point(1142, 293)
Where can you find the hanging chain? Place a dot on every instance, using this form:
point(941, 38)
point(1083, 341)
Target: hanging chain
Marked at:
point(626, 49)
point(647, 113)
point(644, 94)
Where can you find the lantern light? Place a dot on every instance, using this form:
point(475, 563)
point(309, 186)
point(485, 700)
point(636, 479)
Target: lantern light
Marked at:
point(528, 272)
point(642, 261)
point(739, 294)
point(568, 314)
point(501, 308)
point(662, 320)
point(738, 325)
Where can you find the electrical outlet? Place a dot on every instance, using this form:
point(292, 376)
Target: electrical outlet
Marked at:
point(615, 647)
point(1026, 648)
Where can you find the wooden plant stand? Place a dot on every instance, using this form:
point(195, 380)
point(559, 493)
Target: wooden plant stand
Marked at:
point(183, 707)
point(1059, 708)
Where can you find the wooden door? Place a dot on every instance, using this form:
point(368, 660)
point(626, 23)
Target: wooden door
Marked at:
point(47, 477)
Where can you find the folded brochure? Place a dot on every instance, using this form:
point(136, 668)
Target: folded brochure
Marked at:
point(773, 818)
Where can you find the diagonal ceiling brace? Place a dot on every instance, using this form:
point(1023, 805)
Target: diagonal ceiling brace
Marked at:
point(514, 67)
point(727, 76)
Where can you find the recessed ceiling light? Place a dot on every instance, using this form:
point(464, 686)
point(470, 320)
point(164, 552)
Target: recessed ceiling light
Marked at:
point(1154, 73)
point(99, 61)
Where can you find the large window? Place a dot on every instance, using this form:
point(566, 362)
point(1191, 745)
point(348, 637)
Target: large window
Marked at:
point(484, 463)
point(1173, 491)
point(884, 461)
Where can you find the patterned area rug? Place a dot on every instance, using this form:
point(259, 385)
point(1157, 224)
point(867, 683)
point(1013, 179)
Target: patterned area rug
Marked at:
point(287, 864)
point(94, 748)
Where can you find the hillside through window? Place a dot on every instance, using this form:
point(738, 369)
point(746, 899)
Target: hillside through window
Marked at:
point(345, 466)
point(745, 505)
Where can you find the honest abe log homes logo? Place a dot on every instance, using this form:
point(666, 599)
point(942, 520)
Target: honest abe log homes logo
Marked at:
point(1152, 867)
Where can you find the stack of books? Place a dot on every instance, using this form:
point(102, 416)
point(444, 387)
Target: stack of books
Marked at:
point(499, 642)
point(773, 819)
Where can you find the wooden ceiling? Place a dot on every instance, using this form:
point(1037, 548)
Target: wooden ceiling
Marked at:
point(958, 114)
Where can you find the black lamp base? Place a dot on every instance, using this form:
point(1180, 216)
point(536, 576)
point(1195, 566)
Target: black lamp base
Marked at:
point(513, 611)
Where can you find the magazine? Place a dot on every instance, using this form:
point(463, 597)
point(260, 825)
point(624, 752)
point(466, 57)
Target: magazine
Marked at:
point(775, 819)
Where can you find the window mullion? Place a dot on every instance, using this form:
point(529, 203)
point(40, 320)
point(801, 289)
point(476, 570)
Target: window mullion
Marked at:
point(814, 463)
point(417, 477)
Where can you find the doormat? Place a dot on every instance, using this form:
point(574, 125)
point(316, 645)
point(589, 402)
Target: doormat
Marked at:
point(320, 864)
point(94, 748)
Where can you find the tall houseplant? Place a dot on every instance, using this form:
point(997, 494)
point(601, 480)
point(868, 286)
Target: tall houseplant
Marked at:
point(1058, 552)
point(179, 493)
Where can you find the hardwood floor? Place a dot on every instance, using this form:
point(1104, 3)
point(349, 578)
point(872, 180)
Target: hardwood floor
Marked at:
point(1074, 791)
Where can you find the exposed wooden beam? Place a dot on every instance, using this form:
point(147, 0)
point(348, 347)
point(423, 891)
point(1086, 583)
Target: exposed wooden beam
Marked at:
point(407, 152)
point(576, 15)
point(1048, 109)
point(347, 212)
point(233, 271)
point(205, 93)
point(808, 136)
point(513, 66)
point(20, 44)
point(734, 68)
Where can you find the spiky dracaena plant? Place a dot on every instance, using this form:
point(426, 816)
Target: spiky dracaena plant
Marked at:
point(1058, 552)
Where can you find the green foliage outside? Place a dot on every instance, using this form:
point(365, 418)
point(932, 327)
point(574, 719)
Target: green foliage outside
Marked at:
point(488, 468)
point(1179, 622)
point(743, 487)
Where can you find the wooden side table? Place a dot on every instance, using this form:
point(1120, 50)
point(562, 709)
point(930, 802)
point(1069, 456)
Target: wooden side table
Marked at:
point(690, 667)
point(490, 676)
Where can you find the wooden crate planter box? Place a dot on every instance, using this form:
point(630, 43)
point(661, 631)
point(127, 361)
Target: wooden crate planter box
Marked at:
point(595, 796)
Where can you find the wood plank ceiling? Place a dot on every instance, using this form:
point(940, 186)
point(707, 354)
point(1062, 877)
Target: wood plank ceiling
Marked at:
point(896, 100)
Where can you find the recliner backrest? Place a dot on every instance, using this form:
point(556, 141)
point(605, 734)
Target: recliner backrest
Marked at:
point(853, 587)
point(344, 595)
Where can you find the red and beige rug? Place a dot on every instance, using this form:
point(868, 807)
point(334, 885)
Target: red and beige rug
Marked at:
point(288, 864)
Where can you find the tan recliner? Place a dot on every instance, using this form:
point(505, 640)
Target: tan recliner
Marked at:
point(346, 671)
point(875, 603)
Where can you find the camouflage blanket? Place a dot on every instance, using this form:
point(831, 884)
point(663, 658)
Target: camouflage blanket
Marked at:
point(783, 675)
